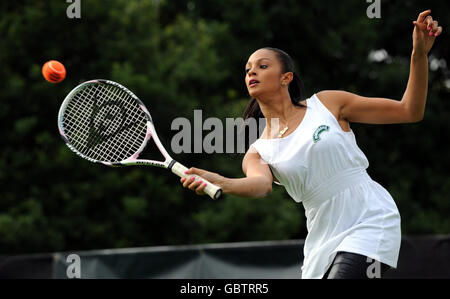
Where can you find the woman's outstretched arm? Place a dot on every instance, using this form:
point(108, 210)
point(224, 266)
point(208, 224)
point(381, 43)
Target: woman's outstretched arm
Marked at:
point(411, 108)
point(256, 184)
point(425, 32)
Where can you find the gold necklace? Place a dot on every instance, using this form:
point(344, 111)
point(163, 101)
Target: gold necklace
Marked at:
point(282, 132)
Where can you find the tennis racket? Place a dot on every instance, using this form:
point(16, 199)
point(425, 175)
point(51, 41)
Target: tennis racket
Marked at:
point(103, 122)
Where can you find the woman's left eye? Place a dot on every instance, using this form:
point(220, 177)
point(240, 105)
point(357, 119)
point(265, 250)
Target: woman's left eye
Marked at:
point(263, 66)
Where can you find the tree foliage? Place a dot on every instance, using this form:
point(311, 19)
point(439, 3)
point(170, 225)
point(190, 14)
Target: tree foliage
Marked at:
point(178, 56)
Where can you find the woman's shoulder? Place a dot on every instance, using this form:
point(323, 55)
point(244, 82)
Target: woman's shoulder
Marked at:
point(331, 100)
point(333, 97)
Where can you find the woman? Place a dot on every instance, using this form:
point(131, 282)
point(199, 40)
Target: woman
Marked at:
point(308, 147)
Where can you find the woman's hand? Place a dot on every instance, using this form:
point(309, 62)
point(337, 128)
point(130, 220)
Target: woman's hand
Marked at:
point(425, 32)
point(199, 184)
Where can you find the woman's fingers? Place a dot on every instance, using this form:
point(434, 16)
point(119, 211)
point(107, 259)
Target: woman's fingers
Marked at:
point(435, 29)
point(423, 15)
point(435, 26)
point(187, 181)
point(193, 181)
point(419, 25)
point(200, 188)
point(432, 26)
point(201, 177)
point(438, 31)
point(194, 170)
point(429, 22)
point(194, 184)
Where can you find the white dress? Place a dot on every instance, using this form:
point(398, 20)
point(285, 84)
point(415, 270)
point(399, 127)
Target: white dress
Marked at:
point(321, 166)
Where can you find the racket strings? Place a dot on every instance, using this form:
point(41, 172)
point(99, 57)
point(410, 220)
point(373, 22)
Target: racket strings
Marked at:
point(105, 123)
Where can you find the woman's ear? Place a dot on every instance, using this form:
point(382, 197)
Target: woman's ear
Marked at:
point(287, 78)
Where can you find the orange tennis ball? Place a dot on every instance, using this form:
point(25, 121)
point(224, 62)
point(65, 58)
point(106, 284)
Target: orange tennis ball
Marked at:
point(54, 71)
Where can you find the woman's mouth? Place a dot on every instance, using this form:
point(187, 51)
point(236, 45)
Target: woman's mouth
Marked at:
point(253, 83)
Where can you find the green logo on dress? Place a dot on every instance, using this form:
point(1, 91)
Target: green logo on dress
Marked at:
point(319, 130)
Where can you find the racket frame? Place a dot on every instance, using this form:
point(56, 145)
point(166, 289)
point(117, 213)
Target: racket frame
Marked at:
point(177, 168)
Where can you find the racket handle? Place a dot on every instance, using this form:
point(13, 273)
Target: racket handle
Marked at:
point(212, 190)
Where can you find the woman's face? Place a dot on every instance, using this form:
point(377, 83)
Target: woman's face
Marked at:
point(263, 73)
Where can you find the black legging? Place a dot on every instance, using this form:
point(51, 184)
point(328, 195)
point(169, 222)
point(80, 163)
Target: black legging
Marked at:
point(348, 265)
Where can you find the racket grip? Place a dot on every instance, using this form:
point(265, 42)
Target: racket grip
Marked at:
point(212, 190)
